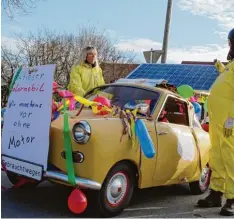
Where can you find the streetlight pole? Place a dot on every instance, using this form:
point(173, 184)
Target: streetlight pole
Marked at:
point(166, 31)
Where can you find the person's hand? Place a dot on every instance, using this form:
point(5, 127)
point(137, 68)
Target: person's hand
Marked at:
point(228, 127)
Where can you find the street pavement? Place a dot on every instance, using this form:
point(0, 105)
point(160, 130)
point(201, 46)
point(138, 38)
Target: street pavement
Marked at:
point(50, 200)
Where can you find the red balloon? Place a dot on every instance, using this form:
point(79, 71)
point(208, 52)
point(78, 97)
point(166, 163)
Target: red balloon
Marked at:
point(205, 127)
point(104, 101)
point(77, 201)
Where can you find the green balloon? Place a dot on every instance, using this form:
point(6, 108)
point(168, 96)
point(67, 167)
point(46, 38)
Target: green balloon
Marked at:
point(185, 91)
point(205, 105)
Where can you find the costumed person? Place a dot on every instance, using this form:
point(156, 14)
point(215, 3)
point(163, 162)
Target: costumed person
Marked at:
point(87, 74)
point(221, 130)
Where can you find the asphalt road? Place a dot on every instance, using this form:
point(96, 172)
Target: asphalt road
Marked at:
point(50, 200)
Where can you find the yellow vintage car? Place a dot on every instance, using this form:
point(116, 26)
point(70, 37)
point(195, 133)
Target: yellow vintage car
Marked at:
point(106, 160)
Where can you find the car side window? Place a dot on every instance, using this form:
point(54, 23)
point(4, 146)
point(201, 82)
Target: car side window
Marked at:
point(175, 111)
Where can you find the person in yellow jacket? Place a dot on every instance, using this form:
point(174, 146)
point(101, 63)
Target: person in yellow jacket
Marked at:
point(87, 74)
point(221, 129)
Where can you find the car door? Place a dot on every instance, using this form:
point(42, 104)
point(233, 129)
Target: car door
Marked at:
point(147, 165)
point(177, 155)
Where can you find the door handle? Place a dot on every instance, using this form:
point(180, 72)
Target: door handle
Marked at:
point(162, 133)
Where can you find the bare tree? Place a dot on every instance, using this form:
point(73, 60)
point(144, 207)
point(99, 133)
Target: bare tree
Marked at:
point(9, 63)
point(48, 47)
point(64, 50)
point(107, 52)
point(14, 7)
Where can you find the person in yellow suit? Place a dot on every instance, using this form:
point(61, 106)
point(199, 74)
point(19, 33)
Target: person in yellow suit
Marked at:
point(87, 74)
point(221, 115)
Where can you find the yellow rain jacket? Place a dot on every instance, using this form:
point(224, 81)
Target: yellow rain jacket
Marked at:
point(220, 108)
point(84, 77)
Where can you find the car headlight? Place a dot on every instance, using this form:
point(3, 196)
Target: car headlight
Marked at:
point(81, 132)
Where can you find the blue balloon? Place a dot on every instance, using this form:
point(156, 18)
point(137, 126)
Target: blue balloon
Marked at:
point(197, 107)
point(144, 139)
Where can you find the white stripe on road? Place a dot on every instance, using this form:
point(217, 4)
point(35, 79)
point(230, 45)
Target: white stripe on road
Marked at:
point(177, 213)
point(153, 215)
point(146, 208)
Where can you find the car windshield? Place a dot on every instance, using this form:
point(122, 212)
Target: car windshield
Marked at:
point(127, 97)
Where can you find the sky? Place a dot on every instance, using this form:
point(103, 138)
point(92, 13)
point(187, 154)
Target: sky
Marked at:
point(198, 30)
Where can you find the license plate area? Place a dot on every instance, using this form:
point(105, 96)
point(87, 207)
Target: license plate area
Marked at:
point(22, 167)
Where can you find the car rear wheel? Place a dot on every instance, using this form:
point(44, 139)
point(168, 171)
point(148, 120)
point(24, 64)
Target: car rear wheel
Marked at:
point(14, 179)
point(201, 186)
point(117, 190)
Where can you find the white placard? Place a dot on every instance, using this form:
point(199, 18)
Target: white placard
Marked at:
point(27, 118)
point(148, 82)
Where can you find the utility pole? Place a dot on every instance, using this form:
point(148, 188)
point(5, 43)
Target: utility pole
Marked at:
point(151, 56)
point(166, 31)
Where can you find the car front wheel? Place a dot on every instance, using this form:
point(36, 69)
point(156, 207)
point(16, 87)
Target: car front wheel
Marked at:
point(117, 190)
point(201, 186)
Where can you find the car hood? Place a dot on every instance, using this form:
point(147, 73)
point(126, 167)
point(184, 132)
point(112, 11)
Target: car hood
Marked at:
point(86, 114)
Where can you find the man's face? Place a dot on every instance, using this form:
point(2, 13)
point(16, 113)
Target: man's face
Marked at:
point(91, 57)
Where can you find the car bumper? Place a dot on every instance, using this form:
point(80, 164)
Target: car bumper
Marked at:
point(80, 182)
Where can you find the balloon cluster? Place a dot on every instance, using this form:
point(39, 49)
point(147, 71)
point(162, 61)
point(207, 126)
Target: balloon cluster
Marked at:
point(187, 92)
point(100, 105)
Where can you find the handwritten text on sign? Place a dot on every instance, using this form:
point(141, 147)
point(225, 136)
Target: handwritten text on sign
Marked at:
point(28, 115)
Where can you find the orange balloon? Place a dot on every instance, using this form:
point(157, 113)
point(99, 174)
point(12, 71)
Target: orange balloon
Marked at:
point(77, 201)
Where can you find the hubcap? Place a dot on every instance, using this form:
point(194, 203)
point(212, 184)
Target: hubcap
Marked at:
point(204, 177)
point(117, 189)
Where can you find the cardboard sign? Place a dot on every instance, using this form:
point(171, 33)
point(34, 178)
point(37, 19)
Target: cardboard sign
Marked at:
point(148, 82)
point(25, 136)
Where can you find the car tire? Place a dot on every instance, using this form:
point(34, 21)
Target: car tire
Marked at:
point(202, 185)
point(14, 179)
point(117, 190)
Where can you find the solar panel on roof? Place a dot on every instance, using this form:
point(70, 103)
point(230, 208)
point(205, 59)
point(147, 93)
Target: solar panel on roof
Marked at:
point(199, 77)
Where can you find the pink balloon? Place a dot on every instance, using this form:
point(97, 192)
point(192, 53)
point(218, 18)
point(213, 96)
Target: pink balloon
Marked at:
point(193, 99)
point(72, 105)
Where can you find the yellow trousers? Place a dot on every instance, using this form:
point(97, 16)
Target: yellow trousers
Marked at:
point(221, 160)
